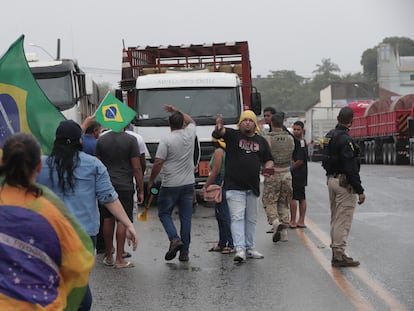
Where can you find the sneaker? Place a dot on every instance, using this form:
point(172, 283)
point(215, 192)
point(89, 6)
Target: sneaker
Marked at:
point(175, 246)
point(345, 262)
point(277, 227)
point(252, 253)
point(284, 235)
point(183, 256)
point(240, 255)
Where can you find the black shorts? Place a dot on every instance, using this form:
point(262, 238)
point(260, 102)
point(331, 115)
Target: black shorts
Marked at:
point(298, 192)
point(127, 201)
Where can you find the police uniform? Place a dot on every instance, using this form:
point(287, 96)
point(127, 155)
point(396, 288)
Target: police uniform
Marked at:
point(342, 166)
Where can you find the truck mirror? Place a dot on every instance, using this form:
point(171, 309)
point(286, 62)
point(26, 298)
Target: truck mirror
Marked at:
point(256, 102)
point(118, 94)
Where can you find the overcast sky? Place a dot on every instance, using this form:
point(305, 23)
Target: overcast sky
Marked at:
point(282, 35)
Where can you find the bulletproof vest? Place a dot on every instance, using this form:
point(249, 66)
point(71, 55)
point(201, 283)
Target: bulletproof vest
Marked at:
point(281, 145)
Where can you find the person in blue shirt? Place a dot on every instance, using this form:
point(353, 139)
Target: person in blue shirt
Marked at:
point(81, 180)
point(89, 138)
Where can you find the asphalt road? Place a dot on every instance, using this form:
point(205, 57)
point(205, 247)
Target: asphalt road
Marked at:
point(294, 275)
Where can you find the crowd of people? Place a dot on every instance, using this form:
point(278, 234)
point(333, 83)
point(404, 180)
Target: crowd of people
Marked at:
point(82, 194)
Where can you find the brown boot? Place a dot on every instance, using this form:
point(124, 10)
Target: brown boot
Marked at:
point(340, 260)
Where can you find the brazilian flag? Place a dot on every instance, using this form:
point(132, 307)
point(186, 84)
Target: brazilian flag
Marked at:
point(23, 105)
point(114, 114)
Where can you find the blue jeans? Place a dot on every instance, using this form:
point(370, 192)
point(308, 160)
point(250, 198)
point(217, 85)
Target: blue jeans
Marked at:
point(243, 211)
point(183, 197)
point(86, 303)
point(223, 218)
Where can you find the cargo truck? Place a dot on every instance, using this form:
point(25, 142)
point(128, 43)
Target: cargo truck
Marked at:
point(201, 79)
point(385, 133)
point(74, 93)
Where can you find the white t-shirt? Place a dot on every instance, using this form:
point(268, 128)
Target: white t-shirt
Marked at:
point(141, 144)
point(177, 150)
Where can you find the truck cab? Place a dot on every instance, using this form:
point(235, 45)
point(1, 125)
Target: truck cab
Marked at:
point(67, 87)
point(201, 80)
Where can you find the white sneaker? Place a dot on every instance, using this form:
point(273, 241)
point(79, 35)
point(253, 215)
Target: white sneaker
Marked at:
point(240, 255)
point(252, 253)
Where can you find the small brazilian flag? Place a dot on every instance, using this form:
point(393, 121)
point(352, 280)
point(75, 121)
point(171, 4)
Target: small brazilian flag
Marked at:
point(114, 114)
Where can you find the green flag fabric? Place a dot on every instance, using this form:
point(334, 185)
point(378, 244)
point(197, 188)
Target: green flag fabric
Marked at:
point(23, 105)
point(114, 114)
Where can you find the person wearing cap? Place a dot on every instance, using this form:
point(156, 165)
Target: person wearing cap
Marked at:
point(222, 213)
point(246, 153)
point(72, 175)
point(80, 180)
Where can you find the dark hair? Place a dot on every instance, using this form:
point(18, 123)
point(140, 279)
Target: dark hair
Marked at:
point(21, 156)
point(346, 115)
point(176, 120)
point(91, 128)
point(64, 158)
point(270, 109)
point(277, 120)
point(299, 123)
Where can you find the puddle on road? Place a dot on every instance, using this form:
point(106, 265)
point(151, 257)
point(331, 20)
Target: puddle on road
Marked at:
point(183, 267)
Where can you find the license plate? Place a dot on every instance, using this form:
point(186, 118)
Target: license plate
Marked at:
point(204, 168)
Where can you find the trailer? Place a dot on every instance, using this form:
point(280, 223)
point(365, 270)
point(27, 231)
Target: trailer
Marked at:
point(385, 133)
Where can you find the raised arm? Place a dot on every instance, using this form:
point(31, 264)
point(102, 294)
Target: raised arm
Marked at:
point(220, 129)
point(187, 117)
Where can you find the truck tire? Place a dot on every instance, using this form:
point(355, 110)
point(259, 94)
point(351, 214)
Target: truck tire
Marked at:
point(373, 153)
point(393, 154)
point(385, 153)
point(366, 152)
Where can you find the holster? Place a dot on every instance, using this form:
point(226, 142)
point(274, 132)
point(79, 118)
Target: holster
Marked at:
point(343, 182)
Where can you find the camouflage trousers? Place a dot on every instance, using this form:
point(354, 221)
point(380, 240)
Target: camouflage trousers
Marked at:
point(277, 193)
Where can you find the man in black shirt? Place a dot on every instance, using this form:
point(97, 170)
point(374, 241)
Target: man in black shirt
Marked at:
point(341, 163)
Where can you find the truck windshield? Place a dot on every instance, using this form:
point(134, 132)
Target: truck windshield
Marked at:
point(203, 104)
point(58, 89)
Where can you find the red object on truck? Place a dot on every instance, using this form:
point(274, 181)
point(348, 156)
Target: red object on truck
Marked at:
point(386, 137)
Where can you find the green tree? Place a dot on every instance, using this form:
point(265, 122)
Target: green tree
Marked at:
point(326, 68)
point(402, 46)
point(284, 90)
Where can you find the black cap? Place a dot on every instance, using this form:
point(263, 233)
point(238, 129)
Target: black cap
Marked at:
point(69, 131)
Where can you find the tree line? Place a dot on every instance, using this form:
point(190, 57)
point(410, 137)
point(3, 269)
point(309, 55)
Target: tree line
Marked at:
point(287, 91)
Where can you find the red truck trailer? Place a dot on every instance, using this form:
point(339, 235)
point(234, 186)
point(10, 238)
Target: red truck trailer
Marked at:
point(385, 133)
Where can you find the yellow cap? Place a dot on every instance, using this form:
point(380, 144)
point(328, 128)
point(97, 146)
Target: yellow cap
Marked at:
point(248, 114)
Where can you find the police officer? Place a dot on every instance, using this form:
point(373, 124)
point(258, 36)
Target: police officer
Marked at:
point(341, 163)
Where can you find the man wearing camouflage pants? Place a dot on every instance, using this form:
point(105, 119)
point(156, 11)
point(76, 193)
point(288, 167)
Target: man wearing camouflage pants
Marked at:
point(277, 191)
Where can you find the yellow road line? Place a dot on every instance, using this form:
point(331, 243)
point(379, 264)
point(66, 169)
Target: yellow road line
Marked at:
point(339, 278)
point(353, 295)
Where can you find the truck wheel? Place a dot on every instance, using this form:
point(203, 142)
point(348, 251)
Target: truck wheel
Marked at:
point(385, 153)
point(373, 154)
point(393, 154)
point(366, 152)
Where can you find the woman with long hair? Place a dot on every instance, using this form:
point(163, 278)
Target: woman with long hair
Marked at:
point(45, 255)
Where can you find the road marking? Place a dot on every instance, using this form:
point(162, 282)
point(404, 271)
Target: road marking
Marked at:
point(356, 299)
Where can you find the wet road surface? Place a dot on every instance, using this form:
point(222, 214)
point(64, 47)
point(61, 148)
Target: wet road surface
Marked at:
point(294, 275)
